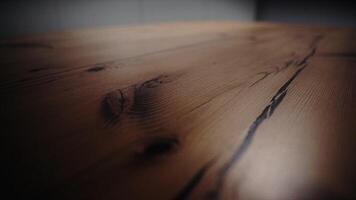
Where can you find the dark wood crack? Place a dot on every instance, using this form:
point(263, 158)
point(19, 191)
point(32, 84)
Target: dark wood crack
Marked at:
point(265, 114)
point(264, 75)
point(277, 70)
point(214, 97)
point(193, 182)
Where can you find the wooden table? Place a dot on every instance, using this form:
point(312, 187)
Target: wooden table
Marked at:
point(203, 110)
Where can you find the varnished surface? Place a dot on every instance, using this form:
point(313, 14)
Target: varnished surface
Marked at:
point(180, 111)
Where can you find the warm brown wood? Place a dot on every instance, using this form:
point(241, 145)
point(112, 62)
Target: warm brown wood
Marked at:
point(213, 110)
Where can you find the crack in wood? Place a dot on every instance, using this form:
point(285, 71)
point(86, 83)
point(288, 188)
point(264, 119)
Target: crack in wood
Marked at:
point(239, 152)
point(265, 114)
point(194, 181)
point(214, 97)
point(316, 40)
point(264, 75)
point(277, 70)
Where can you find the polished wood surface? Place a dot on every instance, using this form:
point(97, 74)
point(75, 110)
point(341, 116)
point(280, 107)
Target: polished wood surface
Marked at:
point(203, 110)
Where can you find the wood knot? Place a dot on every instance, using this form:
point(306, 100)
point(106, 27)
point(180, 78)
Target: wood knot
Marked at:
point(96, 68)
point(133, 100)
point(155, 82)
point(116, 103)
point(157, 146)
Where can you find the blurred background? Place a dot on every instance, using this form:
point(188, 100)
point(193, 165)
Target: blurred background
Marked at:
point(21, 17)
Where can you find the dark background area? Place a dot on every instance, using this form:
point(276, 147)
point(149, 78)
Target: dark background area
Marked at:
point(330, 13)
point(21, 17)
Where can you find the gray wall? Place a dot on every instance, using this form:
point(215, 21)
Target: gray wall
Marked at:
point(19, 17)
point(326, 12)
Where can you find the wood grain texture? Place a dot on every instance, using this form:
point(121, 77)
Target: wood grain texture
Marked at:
point(203, 110)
